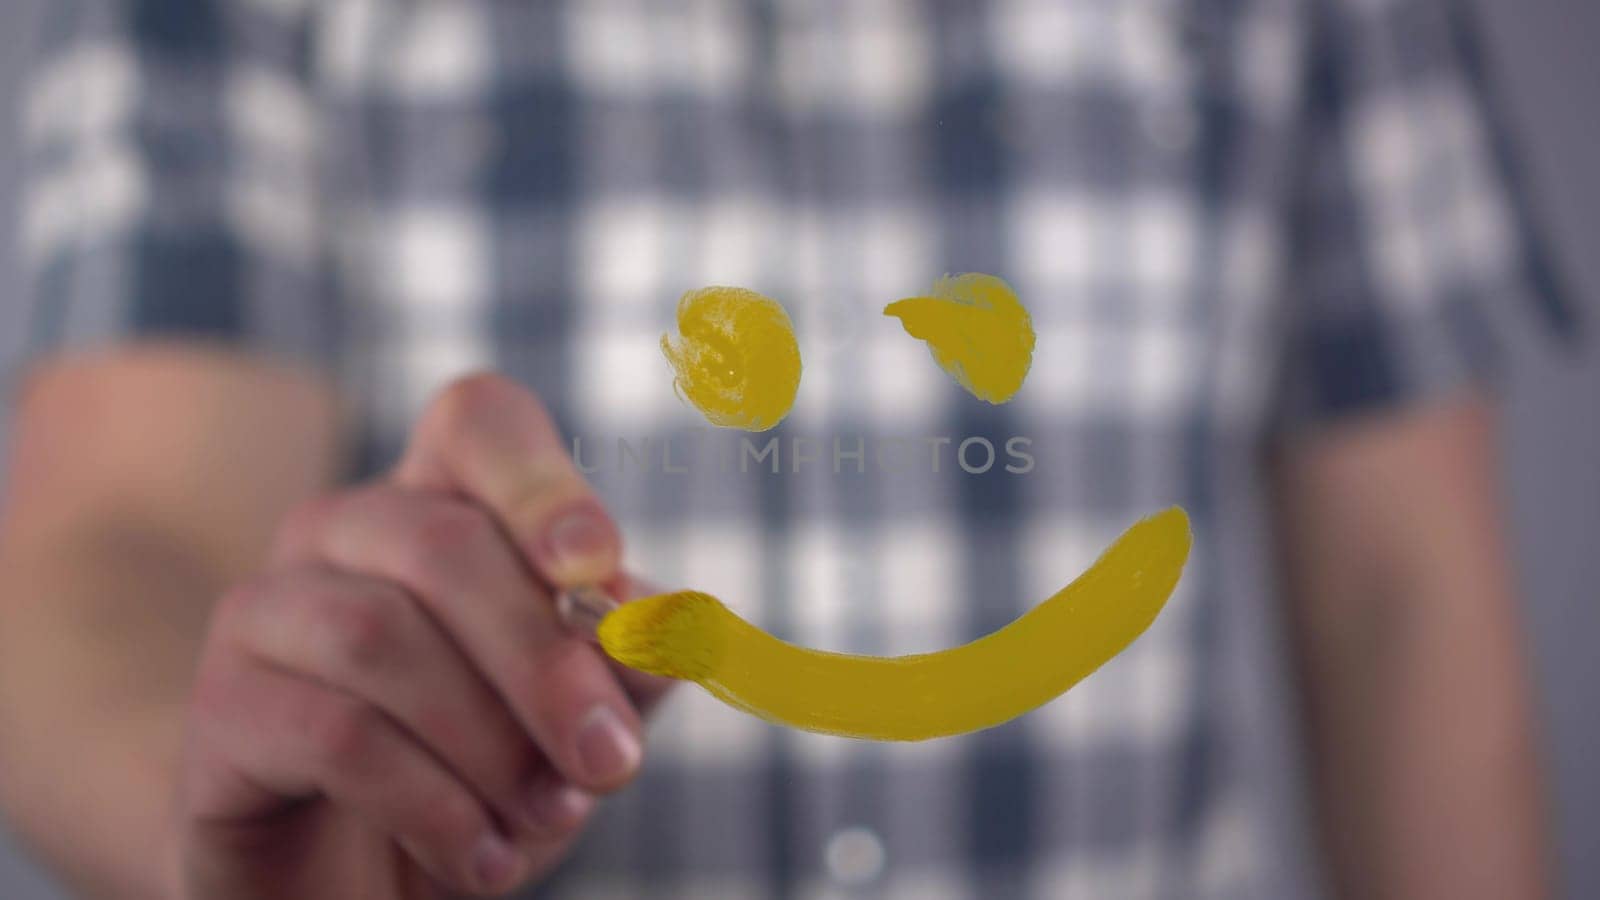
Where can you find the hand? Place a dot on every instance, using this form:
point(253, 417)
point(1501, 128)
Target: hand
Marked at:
point(393, 709)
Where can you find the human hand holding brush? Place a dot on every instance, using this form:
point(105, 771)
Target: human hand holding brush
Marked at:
point(395, 707)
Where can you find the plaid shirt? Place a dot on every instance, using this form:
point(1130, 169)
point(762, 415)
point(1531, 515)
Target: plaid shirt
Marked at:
point(1231, 220)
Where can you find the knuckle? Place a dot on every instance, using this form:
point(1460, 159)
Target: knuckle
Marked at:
point(341, 734)
point(451, 528)
point(435, 546)
point(363, 627)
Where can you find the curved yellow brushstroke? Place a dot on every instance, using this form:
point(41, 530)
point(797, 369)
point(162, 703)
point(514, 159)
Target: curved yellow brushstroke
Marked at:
point(736, 358)
point(976, 329)
point(907, 698)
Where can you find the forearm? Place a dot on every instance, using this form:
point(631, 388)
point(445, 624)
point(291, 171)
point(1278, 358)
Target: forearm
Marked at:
point(1419, 703)
point(1425, 764)
point(99, 624)
point(139, 484)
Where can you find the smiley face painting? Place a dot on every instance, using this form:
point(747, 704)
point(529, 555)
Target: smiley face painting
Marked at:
point(736, 359)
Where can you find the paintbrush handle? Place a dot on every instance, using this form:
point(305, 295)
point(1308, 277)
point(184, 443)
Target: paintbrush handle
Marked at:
point(582, 607)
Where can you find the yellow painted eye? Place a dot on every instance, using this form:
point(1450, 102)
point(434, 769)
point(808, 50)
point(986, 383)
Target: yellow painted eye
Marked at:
point(976, 329)
point(735, 357)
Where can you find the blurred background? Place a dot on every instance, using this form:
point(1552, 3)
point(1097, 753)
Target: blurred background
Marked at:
point(1543, 52)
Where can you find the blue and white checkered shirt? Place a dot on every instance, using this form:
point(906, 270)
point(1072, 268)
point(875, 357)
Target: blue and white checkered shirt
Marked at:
point(1230, 219)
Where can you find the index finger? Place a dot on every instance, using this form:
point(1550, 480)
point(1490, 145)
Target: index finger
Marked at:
point(491, 439)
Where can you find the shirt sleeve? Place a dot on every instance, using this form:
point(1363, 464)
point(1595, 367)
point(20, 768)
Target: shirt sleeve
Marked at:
point(1410, 245)
point(171, 170)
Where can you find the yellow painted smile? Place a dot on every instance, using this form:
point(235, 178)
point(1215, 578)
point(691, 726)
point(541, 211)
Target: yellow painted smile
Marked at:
point(1029, 662)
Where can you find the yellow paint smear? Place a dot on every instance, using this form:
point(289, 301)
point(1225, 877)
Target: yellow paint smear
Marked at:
point(1029, 662)
point(976, 329)
point(735, 356)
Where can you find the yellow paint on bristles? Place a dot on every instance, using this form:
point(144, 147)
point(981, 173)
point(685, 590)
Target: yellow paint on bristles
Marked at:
point(691, 635)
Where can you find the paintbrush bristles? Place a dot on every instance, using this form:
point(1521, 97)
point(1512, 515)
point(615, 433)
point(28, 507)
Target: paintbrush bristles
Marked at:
point(679, 635)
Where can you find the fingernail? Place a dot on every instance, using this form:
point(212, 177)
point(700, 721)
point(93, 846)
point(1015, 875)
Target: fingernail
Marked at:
point(608, 751)
point(494, 862)
point(578, 536)
point(556, 807)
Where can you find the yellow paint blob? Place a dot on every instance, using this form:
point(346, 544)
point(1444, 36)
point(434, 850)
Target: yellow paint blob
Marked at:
point(976, 329)
point(735, 357)
point(1029, 662)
